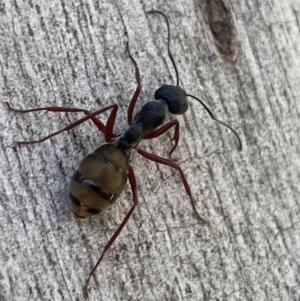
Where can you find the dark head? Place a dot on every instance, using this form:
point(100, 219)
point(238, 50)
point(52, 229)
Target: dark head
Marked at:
point(174, 96)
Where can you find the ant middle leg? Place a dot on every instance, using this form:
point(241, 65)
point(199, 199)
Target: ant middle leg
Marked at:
point(172, 164)
point(156, 133)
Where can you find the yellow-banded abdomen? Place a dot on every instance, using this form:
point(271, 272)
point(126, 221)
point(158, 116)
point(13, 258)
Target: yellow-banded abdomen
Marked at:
point(99, 180)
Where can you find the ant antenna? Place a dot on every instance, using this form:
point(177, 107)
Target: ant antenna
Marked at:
point(177, 84)
point(169, 51)
point(217, 120)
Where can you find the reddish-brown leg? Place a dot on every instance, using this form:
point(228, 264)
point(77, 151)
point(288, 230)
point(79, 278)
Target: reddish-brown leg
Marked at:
point(96, 121)
point(138, 89)
point(172, 164)
point(107, 130)
point(165, 128)
point(133, 185)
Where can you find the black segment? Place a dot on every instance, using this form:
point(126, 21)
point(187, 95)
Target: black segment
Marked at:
point(74, 200)
point(79, 178)
point(93, 211)
point(151, 116)
point(174, 96)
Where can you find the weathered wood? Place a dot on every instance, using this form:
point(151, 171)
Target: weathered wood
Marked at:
point(73, 54)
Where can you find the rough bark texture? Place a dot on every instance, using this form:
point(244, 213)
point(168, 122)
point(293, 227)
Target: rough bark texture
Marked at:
point(72, 53)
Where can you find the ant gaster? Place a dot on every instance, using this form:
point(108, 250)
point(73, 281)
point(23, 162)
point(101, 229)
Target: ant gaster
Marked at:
point(102, 175)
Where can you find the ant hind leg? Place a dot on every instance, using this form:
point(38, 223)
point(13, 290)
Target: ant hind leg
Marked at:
point(186, 185)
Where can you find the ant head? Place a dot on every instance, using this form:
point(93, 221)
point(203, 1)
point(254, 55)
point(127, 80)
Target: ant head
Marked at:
point(174, 96)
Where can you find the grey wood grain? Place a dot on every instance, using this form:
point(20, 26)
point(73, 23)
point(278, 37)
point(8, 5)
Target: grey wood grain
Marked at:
point(68, 53)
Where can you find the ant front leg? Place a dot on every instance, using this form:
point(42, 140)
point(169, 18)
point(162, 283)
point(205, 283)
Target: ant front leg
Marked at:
point(106, 130)
point(165, 128)
point(133, 186)
point(138, 88)
point(172, 164)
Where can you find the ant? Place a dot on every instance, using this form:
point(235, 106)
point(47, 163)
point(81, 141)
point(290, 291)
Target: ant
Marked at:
point(102, 175)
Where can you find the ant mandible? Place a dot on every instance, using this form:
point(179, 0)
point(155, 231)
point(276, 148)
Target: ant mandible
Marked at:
point(102, 175)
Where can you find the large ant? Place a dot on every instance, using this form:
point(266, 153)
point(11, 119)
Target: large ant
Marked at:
point(102, 175)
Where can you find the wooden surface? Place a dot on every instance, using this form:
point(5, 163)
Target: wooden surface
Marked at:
point(72, 53)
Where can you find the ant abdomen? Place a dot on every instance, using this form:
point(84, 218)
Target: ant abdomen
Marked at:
point(98, 181)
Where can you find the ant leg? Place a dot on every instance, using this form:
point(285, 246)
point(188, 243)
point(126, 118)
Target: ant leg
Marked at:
point(172, 164)
point(165, 128)
point(96, 121)
point(138, 88)
point(108, 129)
point(133, 185)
